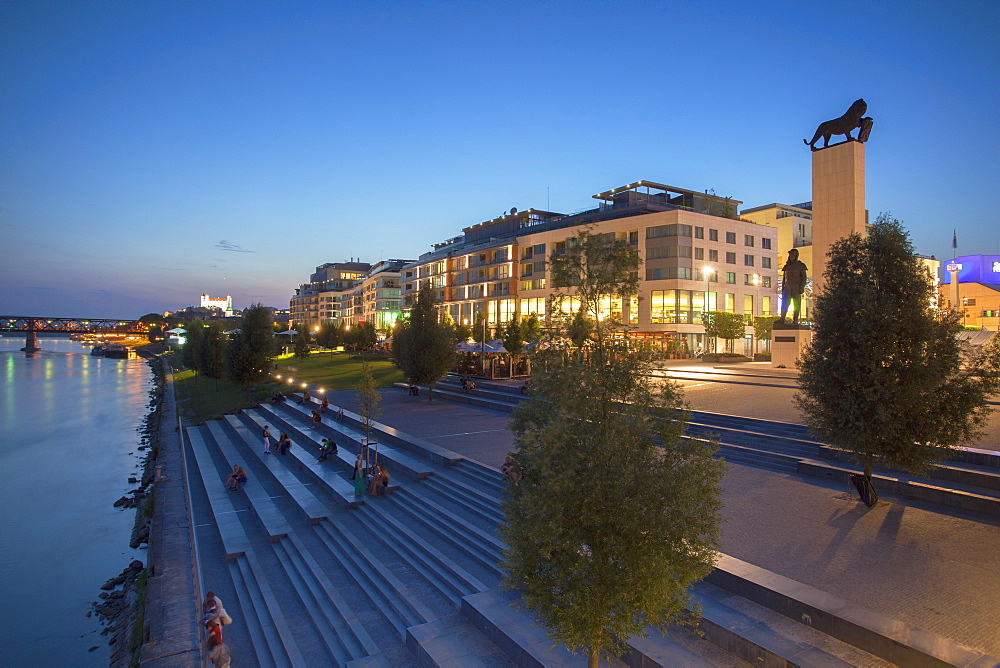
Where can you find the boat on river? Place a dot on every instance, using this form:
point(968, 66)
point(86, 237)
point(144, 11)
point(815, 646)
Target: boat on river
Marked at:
point(118, 351)
point(98, 350)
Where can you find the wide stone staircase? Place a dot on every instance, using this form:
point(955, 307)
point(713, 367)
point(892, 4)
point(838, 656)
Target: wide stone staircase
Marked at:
point(969, 480)
point(314, 574)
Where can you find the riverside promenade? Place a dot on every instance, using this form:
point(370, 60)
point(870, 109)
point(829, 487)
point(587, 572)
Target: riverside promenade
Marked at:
point(929, 568)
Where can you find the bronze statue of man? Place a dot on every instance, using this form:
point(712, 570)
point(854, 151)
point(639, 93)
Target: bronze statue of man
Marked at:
point(793, 284)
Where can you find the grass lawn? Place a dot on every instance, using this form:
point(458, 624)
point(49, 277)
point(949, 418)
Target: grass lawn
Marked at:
point(200, 399)
point(341, 371)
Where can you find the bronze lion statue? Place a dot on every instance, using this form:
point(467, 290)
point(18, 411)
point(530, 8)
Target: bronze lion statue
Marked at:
point(840, 126)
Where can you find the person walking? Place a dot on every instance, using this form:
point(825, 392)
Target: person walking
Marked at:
point(267, 439)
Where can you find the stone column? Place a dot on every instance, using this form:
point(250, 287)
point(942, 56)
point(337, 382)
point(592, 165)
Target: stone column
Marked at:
point(838, 200)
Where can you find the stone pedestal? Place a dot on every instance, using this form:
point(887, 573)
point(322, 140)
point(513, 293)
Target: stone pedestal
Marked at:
point(788, 342)
point(838, 200)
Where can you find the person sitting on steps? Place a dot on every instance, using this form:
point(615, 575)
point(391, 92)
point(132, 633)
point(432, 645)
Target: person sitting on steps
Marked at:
point(236, 478)
point(325, 448)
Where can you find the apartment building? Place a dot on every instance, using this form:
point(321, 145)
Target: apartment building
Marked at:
point(376, 298)
point(697, 256)
point(319, 300)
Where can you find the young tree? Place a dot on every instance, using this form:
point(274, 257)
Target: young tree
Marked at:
point(213, 352)
point(249, 353)
point(368, 401)
point(724, 325)
point(615, 515)
point(883, 378)
point(424, 348)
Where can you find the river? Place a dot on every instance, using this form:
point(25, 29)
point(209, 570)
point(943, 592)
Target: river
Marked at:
point(68, 439)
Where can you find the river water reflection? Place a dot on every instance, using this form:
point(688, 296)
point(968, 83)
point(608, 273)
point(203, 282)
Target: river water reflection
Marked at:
point(68, 439)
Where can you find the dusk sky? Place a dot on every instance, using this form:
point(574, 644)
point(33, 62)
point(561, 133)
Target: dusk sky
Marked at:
point(153, 151)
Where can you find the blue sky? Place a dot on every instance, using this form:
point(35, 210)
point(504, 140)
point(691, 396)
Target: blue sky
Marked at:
point(153, 151)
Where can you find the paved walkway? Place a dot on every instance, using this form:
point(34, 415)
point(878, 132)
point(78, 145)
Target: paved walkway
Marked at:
point(932, 568)
point(172, 600)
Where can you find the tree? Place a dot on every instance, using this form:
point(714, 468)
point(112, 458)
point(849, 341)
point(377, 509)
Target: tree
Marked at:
point(365, 336)
point(724, 325)
point(213, 352)
point(330, 335)
point(155, 333)
point(424, 348)
point(531, 329)
point(512, 337)
point(883, 378)
point(368, 401)
point(580, 329)
point(249, 353)
point(302, 343)
point(463, 332)
point(191, 353)
point(615, 515)
point(763, 325)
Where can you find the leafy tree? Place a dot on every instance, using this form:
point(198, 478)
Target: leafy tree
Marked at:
point(580, 328)
point(424, 348)
point(512, 338)
point(594, 269)
point(615, 515)
point(213, 352)
point(365, 336)
point(191, 353)
point(883, 378)
point(763, 325)
point(249, 353)
point(330, 335)
point(151, 317)
point(155, 333)
point(531, 329)
point(463, 332)
point(724, 325)
point(302, 343)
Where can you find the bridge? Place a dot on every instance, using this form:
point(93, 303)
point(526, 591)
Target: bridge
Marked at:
point(31, 326)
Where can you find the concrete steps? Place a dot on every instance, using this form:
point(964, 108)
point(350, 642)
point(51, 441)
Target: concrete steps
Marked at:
point(426, 559)
point(970, 481)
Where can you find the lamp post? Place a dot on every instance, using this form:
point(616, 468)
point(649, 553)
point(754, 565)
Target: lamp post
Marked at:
point(706, 272)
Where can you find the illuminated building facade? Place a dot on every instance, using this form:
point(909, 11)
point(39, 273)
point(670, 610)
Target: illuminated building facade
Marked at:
point(696, 256)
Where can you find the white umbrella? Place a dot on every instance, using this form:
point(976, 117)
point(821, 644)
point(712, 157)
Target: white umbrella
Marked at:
point(464, 347)
point(287, 331)
point(232, 331)
point(177, 330)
